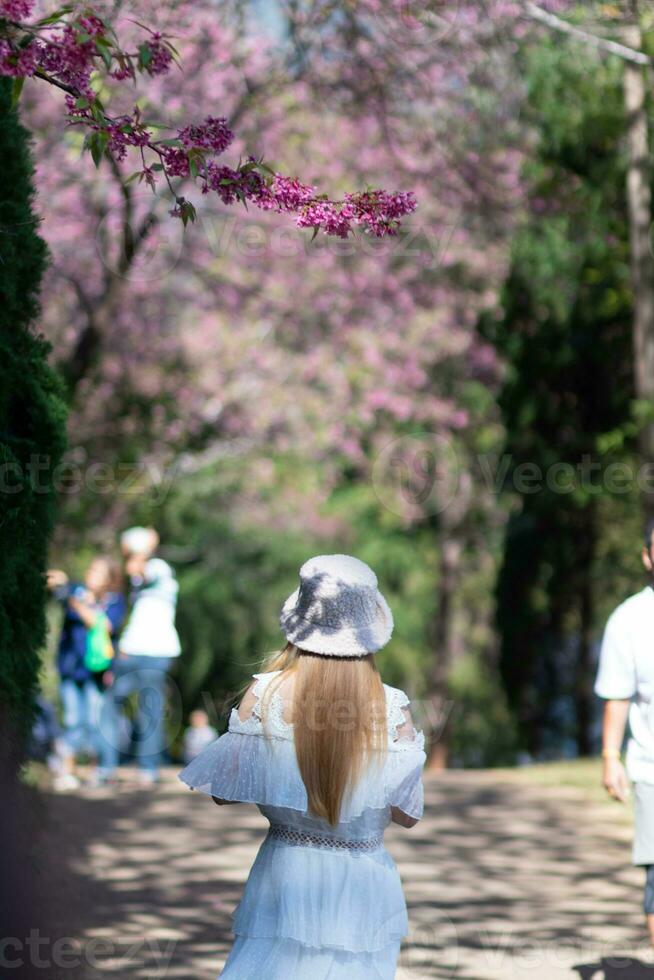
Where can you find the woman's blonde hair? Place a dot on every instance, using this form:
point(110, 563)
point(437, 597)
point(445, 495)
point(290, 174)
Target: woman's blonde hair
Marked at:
point(339, 722)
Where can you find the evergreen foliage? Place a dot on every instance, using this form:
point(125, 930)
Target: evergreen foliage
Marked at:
point(565, 334)
point(32, 420)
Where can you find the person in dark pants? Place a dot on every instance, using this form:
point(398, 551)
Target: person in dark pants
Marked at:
point(95, 605)
point(148, 648)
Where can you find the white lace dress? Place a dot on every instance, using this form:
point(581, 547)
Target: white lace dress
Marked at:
point(321, 902)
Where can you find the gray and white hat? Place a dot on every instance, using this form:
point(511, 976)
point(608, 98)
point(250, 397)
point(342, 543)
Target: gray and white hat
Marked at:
point(337, 611)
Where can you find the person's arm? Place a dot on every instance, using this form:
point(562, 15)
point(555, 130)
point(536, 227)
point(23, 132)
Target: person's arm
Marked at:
point(58, 585)
point(614, 776)
point(405, 733)
point(401, 818)
point(86, 611)
point(56, 578)
point(617, 683)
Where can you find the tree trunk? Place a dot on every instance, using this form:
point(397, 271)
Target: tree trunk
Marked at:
point(87, 351)
point(639, 201)
point(443, 648)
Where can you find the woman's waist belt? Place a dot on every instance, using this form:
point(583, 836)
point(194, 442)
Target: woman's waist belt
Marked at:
point(291, 835)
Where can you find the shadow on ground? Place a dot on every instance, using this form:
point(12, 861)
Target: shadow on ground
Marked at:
point(144, 881)
point(502, 881)
point(511, 881)
point(626, 969)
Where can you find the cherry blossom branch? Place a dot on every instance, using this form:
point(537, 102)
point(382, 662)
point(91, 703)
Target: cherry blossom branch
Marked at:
point(69, 50)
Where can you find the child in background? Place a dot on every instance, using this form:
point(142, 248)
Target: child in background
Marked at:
point(95, 611)
point(198, 735)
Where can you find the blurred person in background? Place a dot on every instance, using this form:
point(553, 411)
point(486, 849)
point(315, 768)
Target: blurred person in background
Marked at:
point(198, 735)
point(94, 612)
point(148, 647)
point(44, 734)
point(626, 681)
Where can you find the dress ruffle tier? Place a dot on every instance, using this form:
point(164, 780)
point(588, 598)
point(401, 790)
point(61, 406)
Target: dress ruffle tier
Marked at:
point(319, 896)
point(284, 959)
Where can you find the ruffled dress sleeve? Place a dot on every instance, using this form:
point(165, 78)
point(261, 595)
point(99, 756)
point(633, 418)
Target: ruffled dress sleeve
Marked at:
point(251, 765)
point(408, 746)
point(248, 764)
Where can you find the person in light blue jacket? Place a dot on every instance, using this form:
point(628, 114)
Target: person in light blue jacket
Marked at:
point(147, 649)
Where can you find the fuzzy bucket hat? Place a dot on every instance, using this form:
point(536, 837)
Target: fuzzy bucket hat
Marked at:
point(337, 611)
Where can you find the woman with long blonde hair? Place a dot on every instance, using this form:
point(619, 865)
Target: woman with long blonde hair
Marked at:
point(330, 755)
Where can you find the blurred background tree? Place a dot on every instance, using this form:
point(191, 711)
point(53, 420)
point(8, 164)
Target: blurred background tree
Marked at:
point(259, 397)
point(575, 417)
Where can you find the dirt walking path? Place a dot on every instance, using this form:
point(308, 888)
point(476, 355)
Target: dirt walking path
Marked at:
point(503, 880)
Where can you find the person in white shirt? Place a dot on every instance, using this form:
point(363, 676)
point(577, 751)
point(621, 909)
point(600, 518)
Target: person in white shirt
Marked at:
point(625, 680)
point(147, 649)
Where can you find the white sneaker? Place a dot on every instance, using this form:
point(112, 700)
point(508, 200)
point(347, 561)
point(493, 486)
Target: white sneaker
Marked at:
point(148, 779)
point(66, 782)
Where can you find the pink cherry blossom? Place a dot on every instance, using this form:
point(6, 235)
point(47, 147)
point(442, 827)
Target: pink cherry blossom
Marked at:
point(16, 9)
point(70, 49)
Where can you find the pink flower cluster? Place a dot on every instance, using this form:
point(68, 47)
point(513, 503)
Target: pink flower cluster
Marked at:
point(16, 9)
point(126, 131)
point(122, 131)
point(160, 56)
point(73, 49)
point(232, 185)
point(16, 63)
point(91, 25)
point(334, 218)
point(288, 194)
point(155, 57)
point(175, 161)
point(71, 54)
point(213, 135)
point(377, 211)
point(68, 58)
point(282, 194)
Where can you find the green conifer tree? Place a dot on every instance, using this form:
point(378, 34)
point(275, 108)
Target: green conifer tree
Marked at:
point(32, 424)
